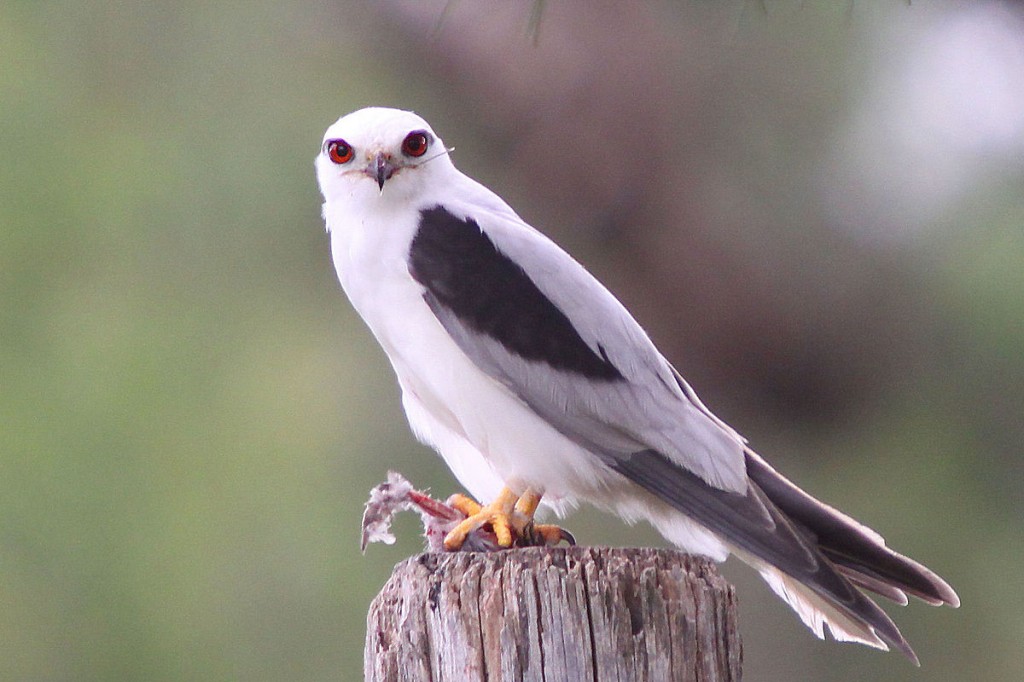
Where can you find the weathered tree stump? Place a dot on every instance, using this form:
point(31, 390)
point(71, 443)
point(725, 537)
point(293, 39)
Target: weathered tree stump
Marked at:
point(555, 614)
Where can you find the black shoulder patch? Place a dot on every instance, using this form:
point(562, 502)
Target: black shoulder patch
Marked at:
point(463, 271)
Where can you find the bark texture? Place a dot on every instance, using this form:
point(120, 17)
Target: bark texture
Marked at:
point(594, 614)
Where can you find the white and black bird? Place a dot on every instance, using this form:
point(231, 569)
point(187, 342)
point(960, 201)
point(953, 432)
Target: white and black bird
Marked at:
point(531, 380)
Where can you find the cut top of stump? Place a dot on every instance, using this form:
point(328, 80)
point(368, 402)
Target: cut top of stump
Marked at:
point(599, 614)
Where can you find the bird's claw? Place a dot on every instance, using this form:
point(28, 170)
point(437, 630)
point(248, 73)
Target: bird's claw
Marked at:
point(509, 518)
point(545, 535)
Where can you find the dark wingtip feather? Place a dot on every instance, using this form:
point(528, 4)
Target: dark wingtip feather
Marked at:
point(855, 549)
point(874, 585)
point(786, 554)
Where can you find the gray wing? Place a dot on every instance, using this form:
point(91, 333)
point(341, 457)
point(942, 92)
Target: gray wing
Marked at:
point(536, 321)
point(533, 319)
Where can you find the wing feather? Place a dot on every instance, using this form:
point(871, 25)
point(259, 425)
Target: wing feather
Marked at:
point(785, 553)
point(614, 394)
point(638, 406)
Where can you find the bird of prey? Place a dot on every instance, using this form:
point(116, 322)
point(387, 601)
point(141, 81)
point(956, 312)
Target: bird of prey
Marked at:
point(532, 381)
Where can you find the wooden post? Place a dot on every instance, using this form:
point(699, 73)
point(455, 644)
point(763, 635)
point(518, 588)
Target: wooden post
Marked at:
point(569, 614)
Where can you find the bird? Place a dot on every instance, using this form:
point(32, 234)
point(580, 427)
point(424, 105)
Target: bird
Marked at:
point(536, 386)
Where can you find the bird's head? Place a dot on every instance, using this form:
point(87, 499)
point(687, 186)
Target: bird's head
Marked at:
point(378, 151)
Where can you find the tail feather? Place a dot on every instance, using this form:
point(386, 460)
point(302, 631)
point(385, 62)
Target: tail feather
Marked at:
point(824, 595)
point(857, 551)
point(814, 610)
point(813, 556)
point(874, 585)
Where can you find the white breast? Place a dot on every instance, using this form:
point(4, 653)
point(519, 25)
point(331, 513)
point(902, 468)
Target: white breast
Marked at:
point(487, 436)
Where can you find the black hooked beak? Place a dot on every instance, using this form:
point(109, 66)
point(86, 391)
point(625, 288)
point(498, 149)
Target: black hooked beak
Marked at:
point(382, 169)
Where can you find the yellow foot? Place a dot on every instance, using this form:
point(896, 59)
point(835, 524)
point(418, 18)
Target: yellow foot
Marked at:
point(497, 514)
point(509, 517)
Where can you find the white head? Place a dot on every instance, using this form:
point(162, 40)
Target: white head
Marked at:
point(378, 153)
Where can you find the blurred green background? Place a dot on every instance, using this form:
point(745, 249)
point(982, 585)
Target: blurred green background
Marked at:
point(816, 208)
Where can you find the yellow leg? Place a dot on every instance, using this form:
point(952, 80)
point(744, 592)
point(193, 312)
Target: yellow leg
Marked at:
point(537, 534)
point(527, 503)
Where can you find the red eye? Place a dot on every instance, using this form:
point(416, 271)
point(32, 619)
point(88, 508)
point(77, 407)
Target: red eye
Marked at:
point(415, 144)
point(339, 151)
